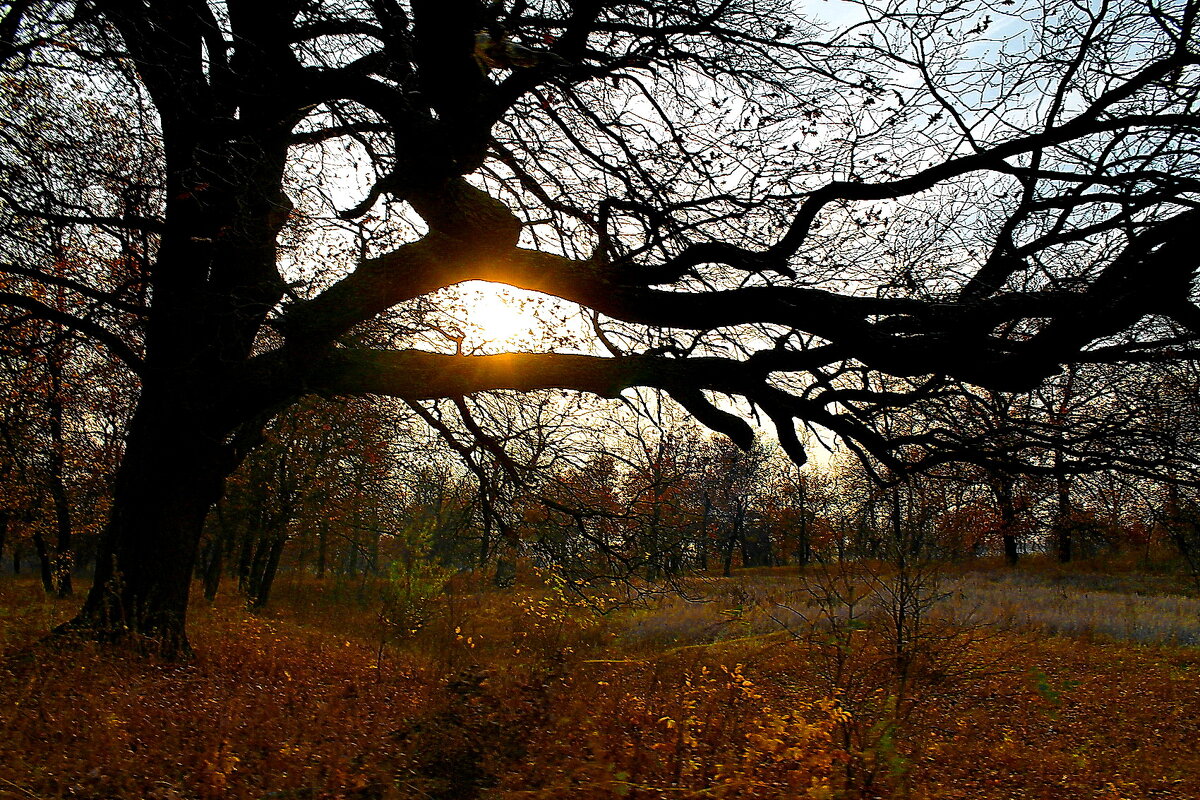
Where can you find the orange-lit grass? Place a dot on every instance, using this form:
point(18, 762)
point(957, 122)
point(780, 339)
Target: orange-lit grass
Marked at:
point(263, 707)
point(504, 693)
point(693, 724)
point(1088, 719)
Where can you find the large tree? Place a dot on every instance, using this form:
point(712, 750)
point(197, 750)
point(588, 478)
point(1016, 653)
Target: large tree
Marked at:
point(749, 206)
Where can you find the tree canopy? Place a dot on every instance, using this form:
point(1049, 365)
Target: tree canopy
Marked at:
point(875, 226)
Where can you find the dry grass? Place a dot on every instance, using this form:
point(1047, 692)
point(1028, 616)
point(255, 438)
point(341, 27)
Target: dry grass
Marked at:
point(264, 707)
point(1066, 607)
point(528, 693)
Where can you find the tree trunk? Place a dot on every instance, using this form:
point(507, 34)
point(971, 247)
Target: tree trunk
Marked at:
point(727, 556)
point(756, 545)
point(258, 565)
point(265, 580)
point(803, 538)
point(506, 572)
point(213, 565)
point(1062, 482)
point(322, 547)
point(245, 558)
point(171, 474)
point(485, 541)
point(45, 567)
point(1011, 555)
point(1008, 518)
point(373, 554)
point(1062, 521)
point(62, 560)
point(896, 517)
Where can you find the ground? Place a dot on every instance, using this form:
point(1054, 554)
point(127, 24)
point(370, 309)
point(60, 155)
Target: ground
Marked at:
point(1042, 683)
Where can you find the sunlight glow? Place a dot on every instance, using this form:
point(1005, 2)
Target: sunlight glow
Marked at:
point(494, 318)
point(499, 317)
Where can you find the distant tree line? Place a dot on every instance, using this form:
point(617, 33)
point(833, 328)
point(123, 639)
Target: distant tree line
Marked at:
point(344, 489)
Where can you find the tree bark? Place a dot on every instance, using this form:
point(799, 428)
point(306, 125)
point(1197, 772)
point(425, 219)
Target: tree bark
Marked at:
point(727, 556)
point(1062, 522)
point(258, 565)
point(896, 518)
point(270, 566)
point(1063, 534)
point(45, 567)
point(322, 548)
point(756, 545)
point(172, 473)
point(803, 538)
point(213, 566)
point(1008, 518)
point(62, 560)
point(702, 543)
point(245, 559)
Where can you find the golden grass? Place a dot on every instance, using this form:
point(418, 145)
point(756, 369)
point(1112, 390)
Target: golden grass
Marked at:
point(1066, 609)
point(527, 693)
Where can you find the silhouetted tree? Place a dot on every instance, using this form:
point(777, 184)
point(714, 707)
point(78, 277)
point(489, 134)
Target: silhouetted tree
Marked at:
point(750, 208)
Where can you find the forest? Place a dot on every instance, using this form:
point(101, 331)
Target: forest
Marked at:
point(599, 398)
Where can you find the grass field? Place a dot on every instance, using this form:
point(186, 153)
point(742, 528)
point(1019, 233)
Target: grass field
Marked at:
point(1039, 683)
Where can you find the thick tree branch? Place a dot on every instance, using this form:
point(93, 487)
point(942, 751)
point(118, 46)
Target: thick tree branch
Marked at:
point(414, 375)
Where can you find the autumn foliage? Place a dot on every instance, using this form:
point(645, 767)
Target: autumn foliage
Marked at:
point(540, 691)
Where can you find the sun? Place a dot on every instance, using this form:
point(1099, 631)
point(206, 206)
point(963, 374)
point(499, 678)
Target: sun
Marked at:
point(497, 315)
point(490, 318)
